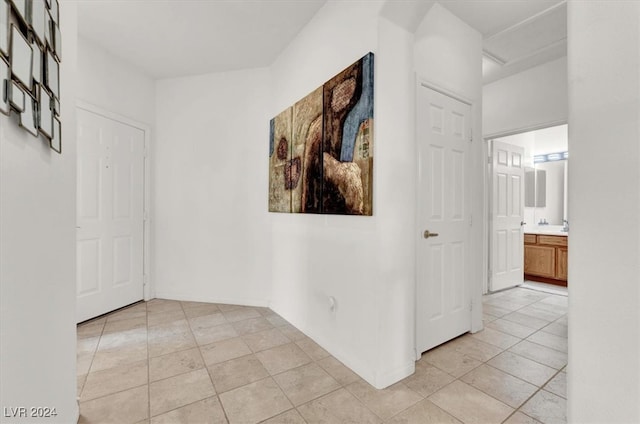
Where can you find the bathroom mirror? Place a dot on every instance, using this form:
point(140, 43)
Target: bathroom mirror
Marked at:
point(534, 187)
point(21, 57)
point(28, 116)
point(5, 78)
point(4, 27)
point(22, 10)
point(551, 177)
point(45, 116)
point(17, 97)
point(52, 75)
point(38, 21)
point(56, 140)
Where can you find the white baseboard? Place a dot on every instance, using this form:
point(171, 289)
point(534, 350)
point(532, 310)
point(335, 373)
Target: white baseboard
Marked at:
point(196, 298)
point(388, 378)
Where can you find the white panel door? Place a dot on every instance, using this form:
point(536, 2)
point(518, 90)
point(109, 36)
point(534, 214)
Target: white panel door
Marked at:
point(507, 243)
point(110, 204)
point(443, 309)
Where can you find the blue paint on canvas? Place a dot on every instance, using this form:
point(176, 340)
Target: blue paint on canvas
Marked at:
point(362, 111)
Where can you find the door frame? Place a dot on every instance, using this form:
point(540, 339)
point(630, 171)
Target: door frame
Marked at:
point(488, 190)
point(148, 287)
point(474, 326)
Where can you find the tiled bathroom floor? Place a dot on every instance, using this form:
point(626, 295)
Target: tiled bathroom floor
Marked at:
point(184, 362)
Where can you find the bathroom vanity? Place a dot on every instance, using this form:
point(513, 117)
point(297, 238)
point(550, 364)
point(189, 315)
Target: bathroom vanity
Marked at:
point(545, 257)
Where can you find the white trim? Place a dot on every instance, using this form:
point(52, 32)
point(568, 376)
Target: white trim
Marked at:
point(444, 91)
point(388, 378)
point(561, 42)
point(494, 58)
point(112, 115)
point(487, 211)
point(526, 21)
point(521, 130)
point(169, 295)
point(148, 282)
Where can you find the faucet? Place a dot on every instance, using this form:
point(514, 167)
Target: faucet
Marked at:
point(543, 221)
point(565, 228)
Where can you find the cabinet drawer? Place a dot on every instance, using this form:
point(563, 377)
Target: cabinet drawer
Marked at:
point(553, 240)
point(530, 238)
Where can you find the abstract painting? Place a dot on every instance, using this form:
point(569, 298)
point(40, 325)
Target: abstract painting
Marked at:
point(321, 148)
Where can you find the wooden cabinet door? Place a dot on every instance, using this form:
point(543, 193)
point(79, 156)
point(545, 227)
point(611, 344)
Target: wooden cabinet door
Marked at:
point(561, 260)
point(540, 260)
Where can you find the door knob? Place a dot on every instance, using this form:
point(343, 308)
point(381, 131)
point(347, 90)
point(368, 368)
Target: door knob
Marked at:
point(428, 234)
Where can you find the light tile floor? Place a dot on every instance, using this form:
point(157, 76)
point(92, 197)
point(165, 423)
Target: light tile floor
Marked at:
point(185, 362)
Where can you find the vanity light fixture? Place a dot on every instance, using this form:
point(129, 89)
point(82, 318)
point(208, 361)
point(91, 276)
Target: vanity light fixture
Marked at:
point(551, 157)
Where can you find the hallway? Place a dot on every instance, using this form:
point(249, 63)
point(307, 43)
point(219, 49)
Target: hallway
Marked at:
point(187, 362)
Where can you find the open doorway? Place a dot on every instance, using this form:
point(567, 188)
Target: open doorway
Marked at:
point(529, 217)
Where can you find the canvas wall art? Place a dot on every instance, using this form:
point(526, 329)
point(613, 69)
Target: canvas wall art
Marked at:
point(321, 148)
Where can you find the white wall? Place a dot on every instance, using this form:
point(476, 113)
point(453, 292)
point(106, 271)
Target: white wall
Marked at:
point(533, 98)
point(448, 54)
point(37, 257)
point(112, 84)
point(215, 240)
point(396, 169)
point(212, 239)
point(366, 264)
point(604, 193)
point(355, 259)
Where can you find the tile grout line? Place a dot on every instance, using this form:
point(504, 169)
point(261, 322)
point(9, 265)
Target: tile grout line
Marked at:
point(540, 388)
point(204, 363)
point(315, 361)
point(93, 356)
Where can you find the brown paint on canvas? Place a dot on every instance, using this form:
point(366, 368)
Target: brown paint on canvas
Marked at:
point(340, 93)
point(307, 138)
point(363, 157)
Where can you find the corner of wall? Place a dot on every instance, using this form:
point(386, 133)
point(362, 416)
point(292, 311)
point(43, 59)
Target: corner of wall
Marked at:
point(37, 255)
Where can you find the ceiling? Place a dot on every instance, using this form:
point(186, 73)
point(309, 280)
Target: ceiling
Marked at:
point(517, 34)
point(171, 38)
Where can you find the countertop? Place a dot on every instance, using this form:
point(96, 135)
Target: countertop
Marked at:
point(546, 230)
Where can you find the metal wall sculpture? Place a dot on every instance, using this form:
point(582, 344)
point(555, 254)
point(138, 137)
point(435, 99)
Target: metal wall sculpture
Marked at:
point(30, 54)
